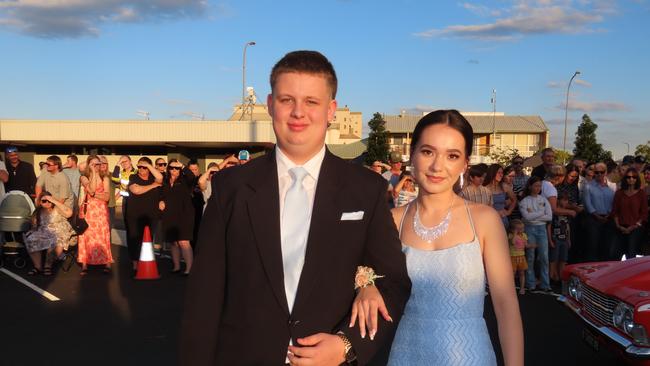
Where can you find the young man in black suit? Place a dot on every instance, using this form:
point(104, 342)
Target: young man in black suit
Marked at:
point(281, 239)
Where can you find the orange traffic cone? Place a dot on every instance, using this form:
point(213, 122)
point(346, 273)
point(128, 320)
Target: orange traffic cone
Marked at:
point(147, 267)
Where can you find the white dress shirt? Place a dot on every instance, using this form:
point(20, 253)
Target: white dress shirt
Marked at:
point(312, 166)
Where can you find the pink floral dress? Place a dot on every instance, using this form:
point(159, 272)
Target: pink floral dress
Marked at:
point(95, 242)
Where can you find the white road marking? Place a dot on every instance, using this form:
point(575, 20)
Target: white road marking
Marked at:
point(16, 277)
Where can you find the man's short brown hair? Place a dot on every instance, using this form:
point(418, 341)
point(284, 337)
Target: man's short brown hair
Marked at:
point(308, 62)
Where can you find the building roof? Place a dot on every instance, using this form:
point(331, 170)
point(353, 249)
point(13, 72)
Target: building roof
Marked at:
point(190, 133)
point(480, 123)
point(349, 151)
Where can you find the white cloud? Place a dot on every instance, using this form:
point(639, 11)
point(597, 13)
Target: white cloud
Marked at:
point(481, 10)
point(78, 18)
point(598, 106)
point(584, 83)
point(419, 109)
point(529, 17)
point(563, 84)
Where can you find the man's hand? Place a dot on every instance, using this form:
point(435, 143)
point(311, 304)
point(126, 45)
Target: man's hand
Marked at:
point(321, 349)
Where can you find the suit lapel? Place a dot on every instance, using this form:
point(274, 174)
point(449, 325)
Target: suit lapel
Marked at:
point(323, 219)
point(264, 212)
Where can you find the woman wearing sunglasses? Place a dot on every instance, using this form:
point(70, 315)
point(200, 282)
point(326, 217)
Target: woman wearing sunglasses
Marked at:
point(50, 228)
point(630, 212)
point(143, 206)
point(178, 214)
point(95, 242)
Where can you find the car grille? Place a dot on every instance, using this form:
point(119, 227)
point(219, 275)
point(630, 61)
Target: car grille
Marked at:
point(598, 305)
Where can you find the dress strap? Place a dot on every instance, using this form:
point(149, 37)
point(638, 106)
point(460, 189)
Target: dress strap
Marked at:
point(401, 221)
point(469, 215)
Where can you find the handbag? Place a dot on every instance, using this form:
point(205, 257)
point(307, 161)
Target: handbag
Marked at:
point(80, 225)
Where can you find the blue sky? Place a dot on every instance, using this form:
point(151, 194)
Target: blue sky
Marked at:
point(107, 59)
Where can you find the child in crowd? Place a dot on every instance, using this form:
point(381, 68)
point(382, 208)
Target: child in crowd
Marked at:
point(536, 211)
point(518, 244)
point(559, 238)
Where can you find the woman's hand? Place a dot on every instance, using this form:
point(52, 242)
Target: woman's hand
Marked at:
point(161, 205)
point(365, 307)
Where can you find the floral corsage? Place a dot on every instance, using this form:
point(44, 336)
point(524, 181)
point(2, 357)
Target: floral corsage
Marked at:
point(365, 277)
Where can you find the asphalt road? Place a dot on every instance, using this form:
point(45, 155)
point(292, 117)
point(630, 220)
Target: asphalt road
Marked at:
point(113, 320)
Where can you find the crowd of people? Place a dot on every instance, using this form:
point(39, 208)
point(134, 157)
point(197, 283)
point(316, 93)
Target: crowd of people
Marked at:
point(558, 214)
point(75, 205)
point(302, 246)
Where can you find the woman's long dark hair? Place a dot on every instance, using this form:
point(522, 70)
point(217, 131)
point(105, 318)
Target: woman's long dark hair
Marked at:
point(637, 182)
point(492, 173)
point(449, 117)
point(36, 216)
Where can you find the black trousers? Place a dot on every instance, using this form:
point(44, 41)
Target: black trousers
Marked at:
point(598, 239)
point(135, 224)
point(628, 244)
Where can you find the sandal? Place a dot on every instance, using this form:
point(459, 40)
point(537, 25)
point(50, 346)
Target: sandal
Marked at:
point(106, 270)
point(33, 272)
point(47, 271)
point(83, 272)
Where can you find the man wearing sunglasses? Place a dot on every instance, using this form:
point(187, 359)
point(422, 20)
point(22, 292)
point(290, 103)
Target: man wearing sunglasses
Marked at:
point(21, 173)
point(53, 180)
point(598, 198)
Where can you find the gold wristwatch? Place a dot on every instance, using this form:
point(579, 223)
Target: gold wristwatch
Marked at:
point(350, 356)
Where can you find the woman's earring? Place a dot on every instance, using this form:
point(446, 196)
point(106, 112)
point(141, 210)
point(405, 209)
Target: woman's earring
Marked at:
point(461, 180)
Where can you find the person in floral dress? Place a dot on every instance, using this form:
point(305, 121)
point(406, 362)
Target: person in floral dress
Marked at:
point(95, 242)
point(51, 229)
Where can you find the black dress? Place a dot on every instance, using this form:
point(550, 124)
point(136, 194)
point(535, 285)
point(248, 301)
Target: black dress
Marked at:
point(178, 216)
point(143, 211)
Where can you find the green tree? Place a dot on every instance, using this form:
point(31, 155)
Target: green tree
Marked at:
point(562, 157)
point(503, 156)
point(377, 140)
point(643, 150)
point(586, 145)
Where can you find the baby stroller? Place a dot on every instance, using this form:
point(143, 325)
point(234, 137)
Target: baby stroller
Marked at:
point(16, 210)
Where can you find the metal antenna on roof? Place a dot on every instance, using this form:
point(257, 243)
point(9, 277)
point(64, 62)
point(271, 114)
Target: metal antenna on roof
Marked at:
point(494, 112)
point(144, 114)
point(195, 116)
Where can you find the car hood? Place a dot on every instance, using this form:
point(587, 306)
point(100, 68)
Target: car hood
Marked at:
point(628, 280)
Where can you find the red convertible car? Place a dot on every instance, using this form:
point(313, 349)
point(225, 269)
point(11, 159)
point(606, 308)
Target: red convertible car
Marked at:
point(613, 301)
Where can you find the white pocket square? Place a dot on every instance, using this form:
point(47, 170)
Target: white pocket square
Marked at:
point(352, 216)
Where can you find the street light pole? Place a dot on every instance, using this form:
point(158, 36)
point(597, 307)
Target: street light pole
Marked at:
point(566, 107)
point(628, 147)
point(243, 75)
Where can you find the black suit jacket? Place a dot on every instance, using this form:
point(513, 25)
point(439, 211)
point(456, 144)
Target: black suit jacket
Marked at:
point(236, 310)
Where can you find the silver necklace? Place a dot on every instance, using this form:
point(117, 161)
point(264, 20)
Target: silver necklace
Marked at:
point(430, 234)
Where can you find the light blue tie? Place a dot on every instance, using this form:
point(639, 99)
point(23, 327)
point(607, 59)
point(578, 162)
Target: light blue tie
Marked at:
point(294, 230)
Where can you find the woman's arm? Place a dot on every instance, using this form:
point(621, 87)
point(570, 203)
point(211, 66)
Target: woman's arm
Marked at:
point(138, 189)
point(502, 287)
point(58, 205)
point(156, 174)
point(104, 196)
point(559, 211)
point(203, 179)
point(398, 187)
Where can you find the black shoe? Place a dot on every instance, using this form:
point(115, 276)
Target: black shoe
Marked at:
point(175, 271)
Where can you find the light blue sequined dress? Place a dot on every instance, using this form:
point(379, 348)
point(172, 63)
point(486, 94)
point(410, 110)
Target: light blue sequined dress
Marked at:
point(443, 320)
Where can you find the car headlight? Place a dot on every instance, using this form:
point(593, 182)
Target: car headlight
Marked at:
point(623, 319)
point(639, 335)
point(623, 316)
point(575, 288)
